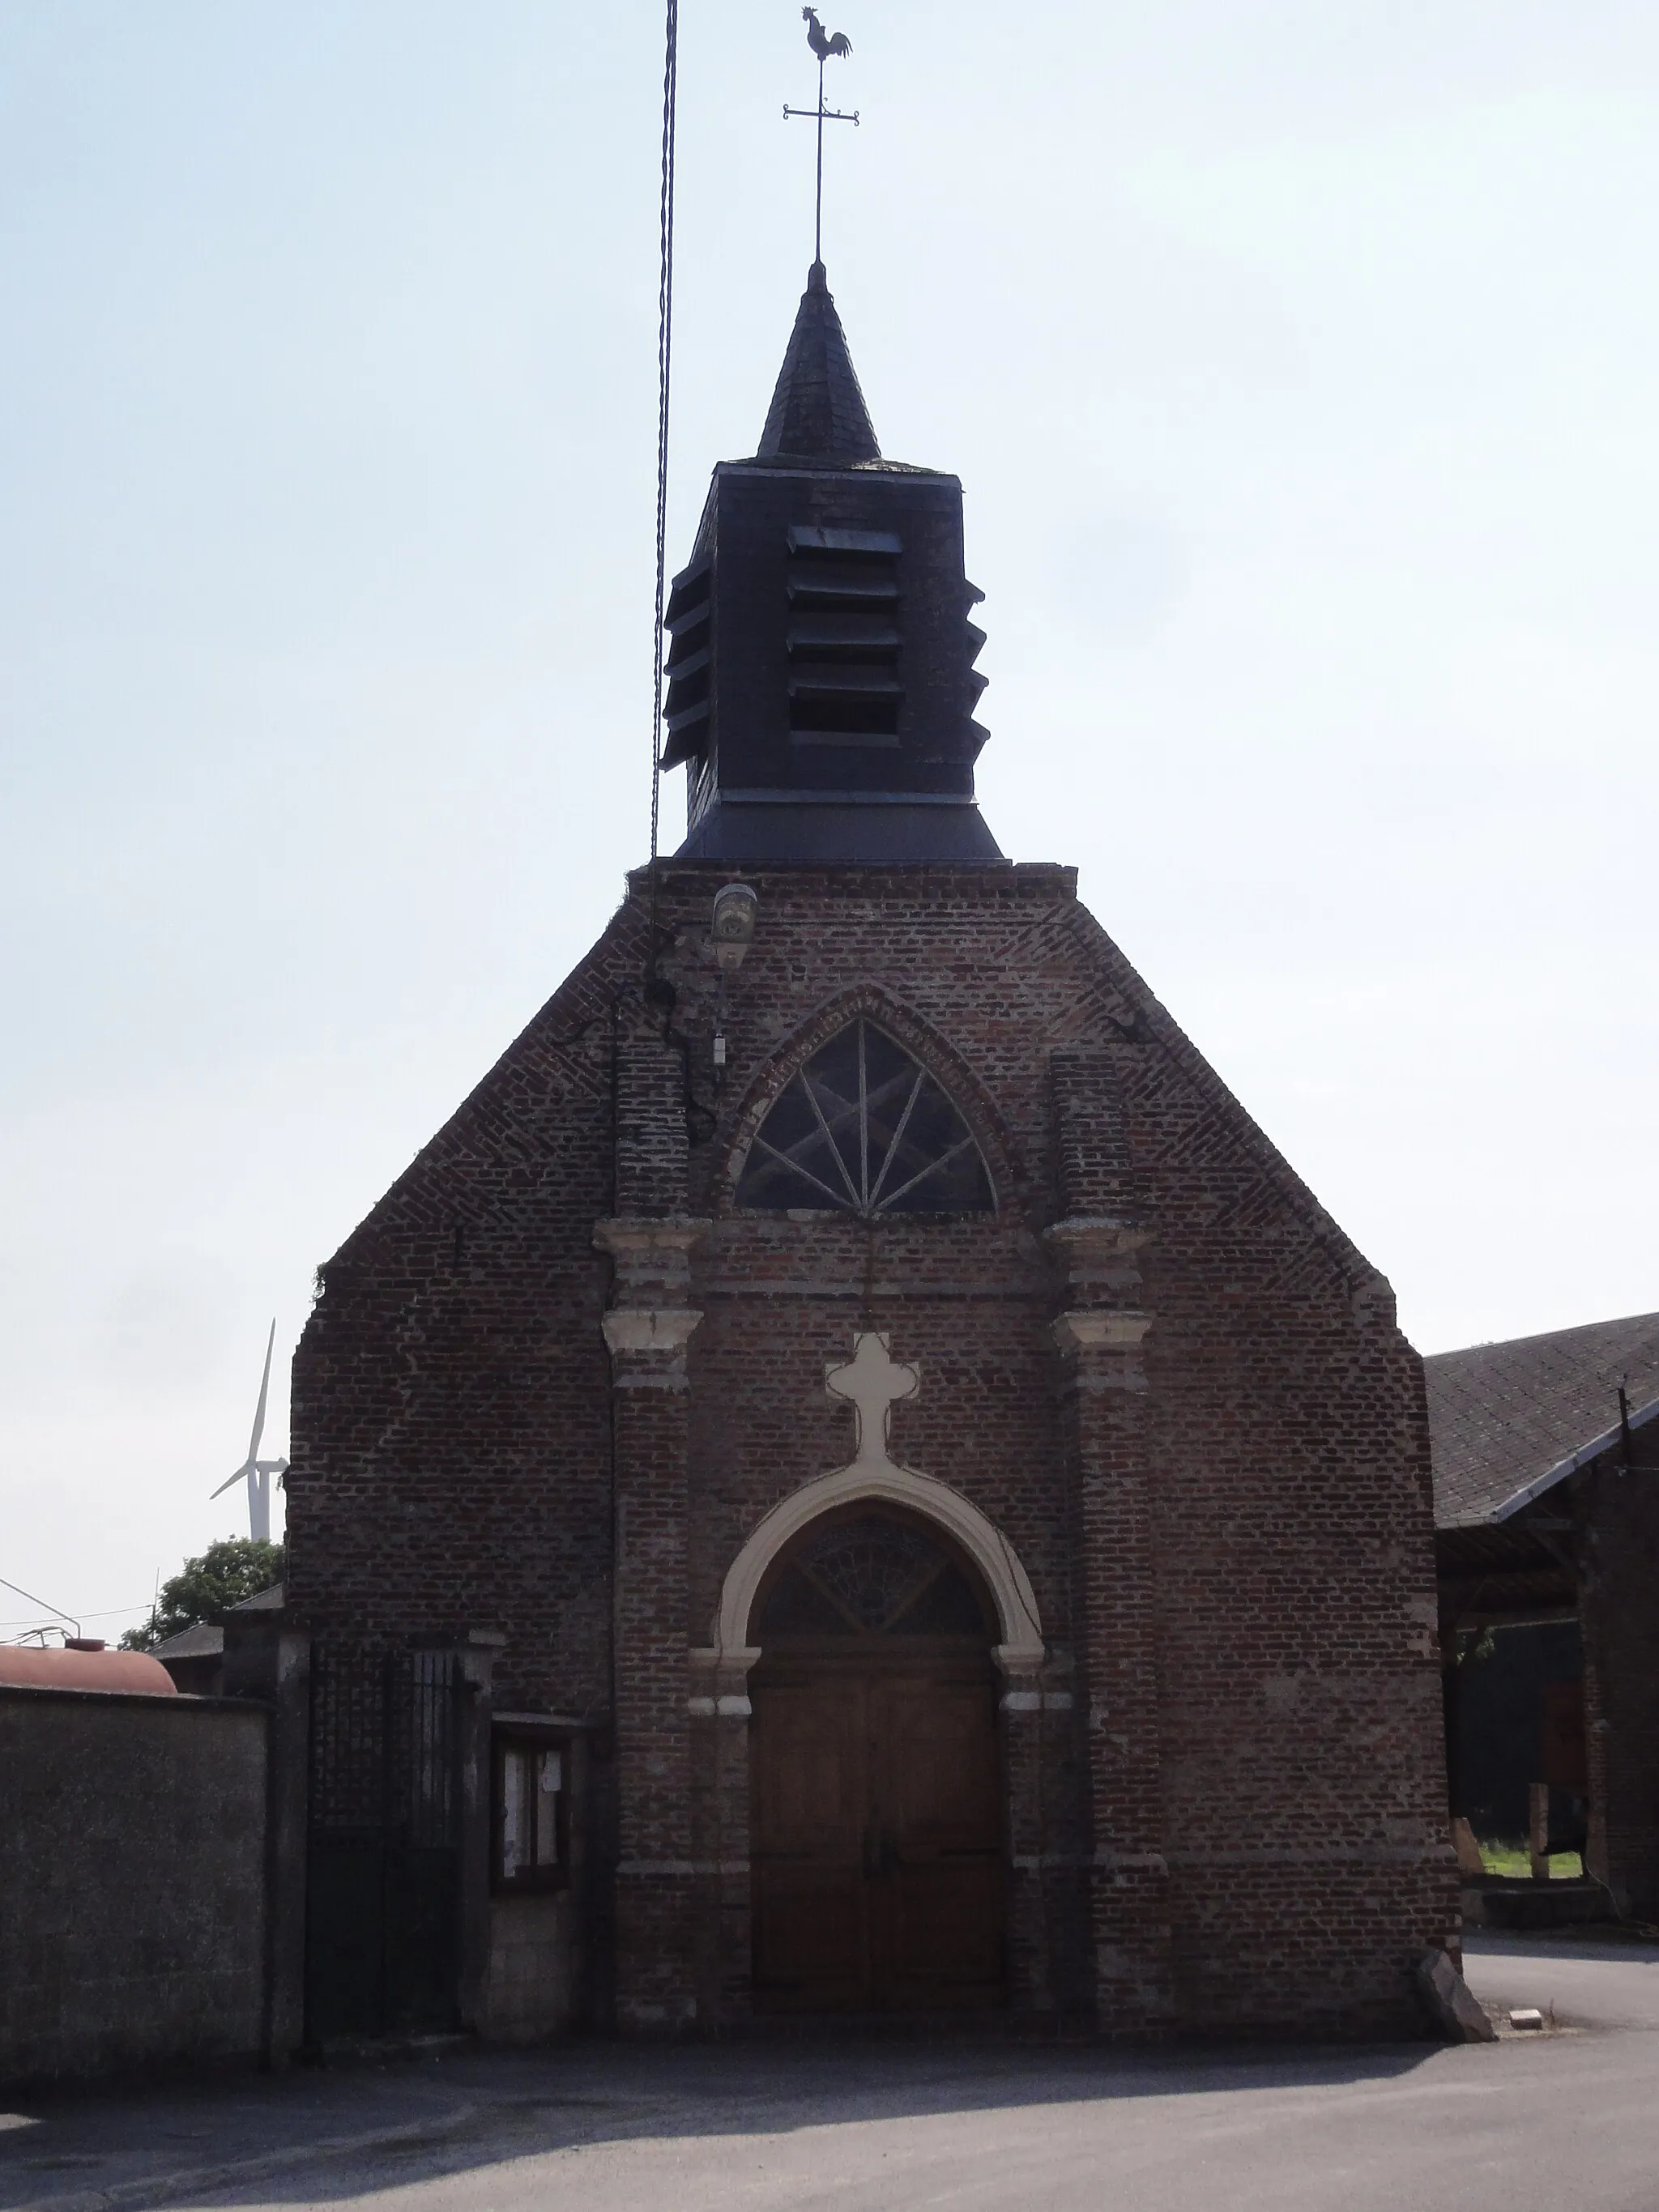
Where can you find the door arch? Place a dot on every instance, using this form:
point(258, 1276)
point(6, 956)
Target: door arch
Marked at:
point(879, 1866)
point(882, 1481)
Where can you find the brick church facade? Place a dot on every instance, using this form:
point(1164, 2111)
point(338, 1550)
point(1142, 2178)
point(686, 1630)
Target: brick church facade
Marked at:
point(850, 1477)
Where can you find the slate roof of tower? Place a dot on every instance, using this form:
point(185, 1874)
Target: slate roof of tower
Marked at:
point(1508, 1420)
point(817, 411)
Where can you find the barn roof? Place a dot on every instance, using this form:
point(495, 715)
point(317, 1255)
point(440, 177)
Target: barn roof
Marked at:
point(205, 1639)
point(201, 1640)
point(1508, 1420)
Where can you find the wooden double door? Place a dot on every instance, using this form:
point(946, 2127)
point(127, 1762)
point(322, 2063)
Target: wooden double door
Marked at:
point(877, 1838)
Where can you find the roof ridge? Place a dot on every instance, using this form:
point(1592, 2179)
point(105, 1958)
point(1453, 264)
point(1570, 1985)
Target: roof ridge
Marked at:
point(1543, 1336)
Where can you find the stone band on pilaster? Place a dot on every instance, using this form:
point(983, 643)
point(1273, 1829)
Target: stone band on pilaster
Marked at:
point(721, 1682)
point(650, 1322)
point(1100, 1333)
point(649, 1328)
point(1102, 1347)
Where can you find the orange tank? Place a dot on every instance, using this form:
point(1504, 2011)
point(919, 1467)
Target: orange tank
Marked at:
point(28, 1666)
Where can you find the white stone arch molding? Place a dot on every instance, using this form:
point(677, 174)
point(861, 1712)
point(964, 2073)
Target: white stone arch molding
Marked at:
point(1019, 1655)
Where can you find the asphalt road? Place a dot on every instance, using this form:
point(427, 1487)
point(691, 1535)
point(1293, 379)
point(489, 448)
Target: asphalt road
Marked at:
point(1568, 2120)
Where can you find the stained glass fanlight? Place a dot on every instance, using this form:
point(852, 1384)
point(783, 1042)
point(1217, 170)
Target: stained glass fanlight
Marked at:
point(869, 1576)
point(865, 1130)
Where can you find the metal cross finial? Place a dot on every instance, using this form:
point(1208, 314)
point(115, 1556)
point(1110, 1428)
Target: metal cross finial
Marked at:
point(826, 45)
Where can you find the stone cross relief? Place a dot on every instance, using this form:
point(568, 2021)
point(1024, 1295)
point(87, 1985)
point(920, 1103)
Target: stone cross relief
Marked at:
point(873, 1382)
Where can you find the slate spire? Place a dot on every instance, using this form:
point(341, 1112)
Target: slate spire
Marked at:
point(817, 411)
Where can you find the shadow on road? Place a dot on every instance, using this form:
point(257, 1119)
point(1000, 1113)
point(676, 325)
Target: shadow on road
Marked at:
point(372, 2125)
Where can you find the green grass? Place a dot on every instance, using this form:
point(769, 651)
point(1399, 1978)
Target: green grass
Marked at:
point(1511, 1858)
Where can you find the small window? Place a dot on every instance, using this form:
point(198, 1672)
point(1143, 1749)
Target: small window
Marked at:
point(531, 1813)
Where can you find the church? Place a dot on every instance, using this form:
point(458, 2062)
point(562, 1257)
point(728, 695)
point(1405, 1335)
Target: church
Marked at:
point(850, 1480)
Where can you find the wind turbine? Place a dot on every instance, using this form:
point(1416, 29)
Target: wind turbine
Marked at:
point(257, 1471)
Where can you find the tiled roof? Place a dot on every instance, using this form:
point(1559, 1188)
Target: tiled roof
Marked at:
point(818, 411)
point(1507, 1418)
point(269, 1600)
point(200, 1641)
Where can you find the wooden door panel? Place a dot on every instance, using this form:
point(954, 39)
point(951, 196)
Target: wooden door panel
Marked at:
point(947, 1928)
point(878, 1865)
point(809, 1764)
point(937, 1935)
point(940, 1788)
point(810, 1947)
point(809, 1761)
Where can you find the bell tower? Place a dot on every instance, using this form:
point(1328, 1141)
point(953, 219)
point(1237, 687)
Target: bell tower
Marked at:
point(820, 658)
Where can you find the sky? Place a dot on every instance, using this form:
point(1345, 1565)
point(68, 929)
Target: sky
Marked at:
point(1298, 357)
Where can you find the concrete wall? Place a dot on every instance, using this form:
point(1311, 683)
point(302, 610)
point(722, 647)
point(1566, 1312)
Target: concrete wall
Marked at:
point(133, 1881)
point(531, 1988)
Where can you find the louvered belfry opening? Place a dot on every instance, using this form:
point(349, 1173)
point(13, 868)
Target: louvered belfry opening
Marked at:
point(689, 665)
point(843, 637)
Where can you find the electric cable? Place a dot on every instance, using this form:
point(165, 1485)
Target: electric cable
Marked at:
point(665, 363)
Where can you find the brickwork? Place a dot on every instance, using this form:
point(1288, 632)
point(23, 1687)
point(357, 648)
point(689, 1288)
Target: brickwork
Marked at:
point(1159, 1368)
point(656, 1873)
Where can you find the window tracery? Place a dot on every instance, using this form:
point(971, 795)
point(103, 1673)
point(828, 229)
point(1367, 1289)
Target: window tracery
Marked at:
point(869, 1576)
point(864, 1129)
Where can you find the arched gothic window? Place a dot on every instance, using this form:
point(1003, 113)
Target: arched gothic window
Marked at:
point(865, 1130)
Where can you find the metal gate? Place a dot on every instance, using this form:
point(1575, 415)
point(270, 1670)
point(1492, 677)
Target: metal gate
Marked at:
point(383, 1894)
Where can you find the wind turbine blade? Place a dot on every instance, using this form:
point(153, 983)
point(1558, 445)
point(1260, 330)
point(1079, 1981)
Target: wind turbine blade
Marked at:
point(228, 1481)
point(259, 1411)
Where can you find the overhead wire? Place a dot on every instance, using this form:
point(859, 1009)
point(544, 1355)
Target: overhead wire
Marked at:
point(665, 367)
point(659, 991)
point(45, 1604)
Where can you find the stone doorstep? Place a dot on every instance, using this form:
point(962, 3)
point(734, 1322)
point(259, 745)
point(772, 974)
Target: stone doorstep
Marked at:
point(342, 2050)
point(963, 2026)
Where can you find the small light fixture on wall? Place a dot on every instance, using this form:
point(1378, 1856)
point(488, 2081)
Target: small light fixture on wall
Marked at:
point(735, 909)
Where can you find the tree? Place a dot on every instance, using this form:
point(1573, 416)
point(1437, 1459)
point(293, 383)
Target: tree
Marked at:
point(227, 1572)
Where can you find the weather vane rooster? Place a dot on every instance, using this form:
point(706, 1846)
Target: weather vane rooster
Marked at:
point(828, 45)
point(824, 43)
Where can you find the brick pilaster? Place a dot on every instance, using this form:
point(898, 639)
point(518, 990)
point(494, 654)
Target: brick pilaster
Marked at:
point(1098, 1334)
point(1104, 1401)
point(721, 1713)
point(647, 1330)
point(1030, 1965)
